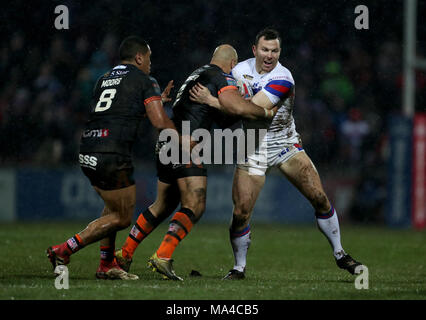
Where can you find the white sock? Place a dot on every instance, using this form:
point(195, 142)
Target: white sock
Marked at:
point(328, 223)
point(240, 242)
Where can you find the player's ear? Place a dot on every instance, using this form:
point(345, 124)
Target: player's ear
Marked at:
point(254, 49)
point(139, 58)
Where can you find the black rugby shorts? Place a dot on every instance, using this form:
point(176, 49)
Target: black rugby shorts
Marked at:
point(107, 171)
point(169, 173)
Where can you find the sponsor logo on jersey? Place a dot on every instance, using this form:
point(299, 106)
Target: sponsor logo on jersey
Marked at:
point(111, 82)
point(256, 87)
point(87, 160)
point(247, 76)
point(119, 72)
point(96, 133)
point(281, 77)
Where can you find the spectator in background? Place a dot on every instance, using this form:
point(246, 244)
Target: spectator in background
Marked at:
point(337, 87)
point(335, 68)
point(354, 129)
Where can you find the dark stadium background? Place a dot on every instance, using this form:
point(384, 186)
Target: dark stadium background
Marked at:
point(343, 77)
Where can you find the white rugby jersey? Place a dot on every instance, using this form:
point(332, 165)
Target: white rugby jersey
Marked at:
point(278, 85)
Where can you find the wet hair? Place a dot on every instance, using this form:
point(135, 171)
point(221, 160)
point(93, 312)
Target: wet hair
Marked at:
point(132, 45)
point(269, 34)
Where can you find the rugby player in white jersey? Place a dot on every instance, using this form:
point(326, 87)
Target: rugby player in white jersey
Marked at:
point(281, 147)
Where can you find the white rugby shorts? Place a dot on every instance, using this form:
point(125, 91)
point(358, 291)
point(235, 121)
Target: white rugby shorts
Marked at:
point(271, 156)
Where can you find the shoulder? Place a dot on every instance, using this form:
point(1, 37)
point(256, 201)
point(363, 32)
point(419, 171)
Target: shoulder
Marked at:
point(146, 80)
point(281, 73)
point(219, 76)
point(243, 67)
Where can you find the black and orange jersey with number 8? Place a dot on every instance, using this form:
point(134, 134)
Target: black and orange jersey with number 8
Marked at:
point(118, 106)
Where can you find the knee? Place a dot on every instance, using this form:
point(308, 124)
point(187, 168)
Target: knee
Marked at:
point(320, 202)
point(196, 201)
point(121, 222)
point(241, 212)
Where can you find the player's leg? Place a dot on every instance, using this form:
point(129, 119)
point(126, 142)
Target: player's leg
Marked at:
point(168, 198)
point(109, 268)
point(193, 198)
point(107, 245)
point(301, 172)
point(120, 204)
point(245, 191)
point(117, 214)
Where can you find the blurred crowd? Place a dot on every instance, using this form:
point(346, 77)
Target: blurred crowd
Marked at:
point(347, 81)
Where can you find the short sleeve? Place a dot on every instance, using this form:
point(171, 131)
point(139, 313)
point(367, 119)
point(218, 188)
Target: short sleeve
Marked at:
point(277, 89)
point(225, 82)
point(151, 90)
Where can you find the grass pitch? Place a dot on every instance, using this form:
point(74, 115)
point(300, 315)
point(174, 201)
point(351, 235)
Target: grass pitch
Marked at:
point(284, 262)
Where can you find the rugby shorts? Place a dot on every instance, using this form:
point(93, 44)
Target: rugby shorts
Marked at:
point(107, 171)
point(169, 173)
point(271, 156)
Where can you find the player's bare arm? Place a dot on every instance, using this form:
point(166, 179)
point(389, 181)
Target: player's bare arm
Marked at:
point(157, 115)
point(262, 100)
point(231, 102)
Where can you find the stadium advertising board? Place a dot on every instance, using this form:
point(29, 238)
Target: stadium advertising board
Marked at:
point(399, 172)
point(419, 172)
point(66, 194)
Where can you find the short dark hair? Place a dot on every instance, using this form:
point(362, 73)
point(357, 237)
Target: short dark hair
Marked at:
point(269, 34)
point(132, 45)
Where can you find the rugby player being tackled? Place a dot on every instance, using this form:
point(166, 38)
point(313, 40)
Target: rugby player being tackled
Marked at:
point(273, 85)
point(187, 183)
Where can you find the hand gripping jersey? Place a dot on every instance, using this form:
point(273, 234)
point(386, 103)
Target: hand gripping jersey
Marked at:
point(118, 106)
point(278, 85)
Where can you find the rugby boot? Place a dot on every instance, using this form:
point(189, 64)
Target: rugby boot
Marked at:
point(234, 275)
point(58, 255)
point(348, 263)
point(123, 262)
point(163, 266)
point(112, 271)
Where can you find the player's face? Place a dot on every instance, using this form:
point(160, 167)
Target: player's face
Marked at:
point(267, 53)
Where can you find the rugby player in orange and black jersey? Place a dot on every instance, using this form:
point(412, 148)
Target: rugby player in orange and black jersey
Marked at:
point(200, 116)
point(121, 98)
